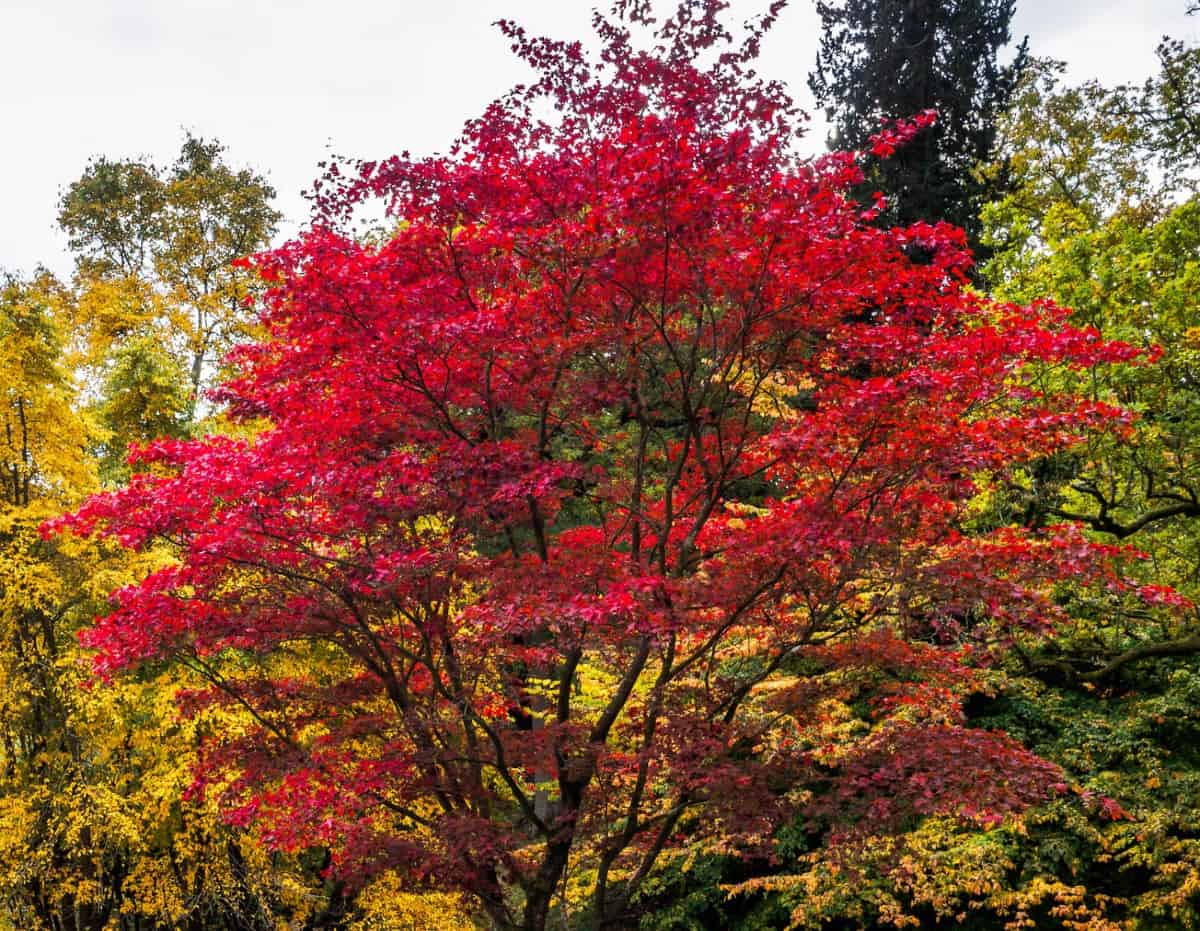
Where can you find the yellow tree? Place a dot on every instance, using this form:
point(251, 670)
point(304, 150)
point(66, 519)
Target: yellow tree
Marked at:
point(92, 832)
point(154, 249)
point(41, 586)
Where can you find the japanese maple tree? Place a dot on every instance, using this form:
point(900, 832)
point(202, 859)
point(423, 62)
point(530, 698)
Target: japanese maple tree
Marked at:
point(579, 495)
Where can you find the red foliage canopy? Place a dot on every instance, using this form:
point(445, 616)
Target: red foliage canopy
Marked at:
point(573, 490)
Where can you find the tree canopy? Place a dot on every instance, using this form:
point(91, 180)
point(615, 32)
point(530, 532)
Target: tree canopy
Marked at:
point(619, 506)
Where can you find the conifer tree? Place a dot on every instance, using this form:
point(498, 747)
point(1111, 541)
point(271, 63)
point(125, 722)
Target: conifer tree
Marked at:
point(887, 59)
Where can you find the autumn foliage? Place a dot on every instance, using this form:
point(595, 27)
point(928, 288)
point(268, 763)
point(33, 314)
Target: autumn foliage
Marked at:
point(582, 497)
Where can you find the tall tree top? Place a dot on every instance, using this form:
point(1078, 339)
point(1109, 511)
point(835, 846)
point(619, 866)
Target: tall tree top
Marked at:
point(881, 60)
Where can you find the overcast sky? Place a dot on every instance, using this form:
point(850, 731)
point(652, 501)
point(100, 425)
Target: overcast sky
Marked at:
point(284, 84)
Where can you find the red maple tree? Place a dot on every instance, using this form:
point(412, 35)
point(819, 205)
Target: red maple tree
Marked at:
point(572, 492)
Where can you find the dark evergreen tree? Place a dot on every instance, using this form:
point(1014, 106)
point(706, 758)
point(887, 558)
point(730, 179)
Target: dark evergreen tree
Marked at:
point(887, 59)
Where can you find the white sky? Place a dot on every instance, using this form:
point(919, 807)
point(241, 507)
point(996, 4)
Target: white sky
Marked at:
point(284, 84)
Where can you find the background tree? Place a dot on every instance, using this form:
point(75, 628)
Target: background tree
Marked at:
point(882, 60)
point(1086, 224)
point(1168, 108)
point(155, 250)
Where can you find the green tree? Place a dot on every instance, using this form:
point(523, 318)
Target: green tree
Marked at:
point(882, 60)
point(155, 249)
point(1087, 225)
point(1168, 106)
point(1113, 698)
